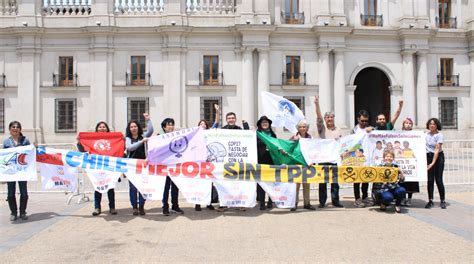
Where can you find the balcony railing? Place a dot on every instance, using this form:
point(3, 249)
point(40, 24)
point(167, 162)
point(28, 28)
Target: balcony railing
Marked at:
point(131, 7)
point(64, 79)
point(8, 7)
point(293, 79)
point(204, 7)
point(446, 22)
point(3, 80)
point(448, 80)
point(211, 79)
point(138, 79)
point(67, 7)
point(292, 18)
point(371, 20)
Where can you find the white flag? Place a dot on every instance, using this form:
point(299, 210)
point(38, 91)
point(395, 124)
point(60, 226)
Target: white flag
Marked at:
point(282, 194)
point(18, 164)
point(150, 186)
point(320, 150)
point(196, 191)
point(58, 177)
point(281, 111)
point(103, 180)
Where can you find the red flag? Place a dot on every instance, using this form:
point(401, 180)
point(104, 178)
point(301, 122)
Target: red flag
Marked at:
point(104, 143)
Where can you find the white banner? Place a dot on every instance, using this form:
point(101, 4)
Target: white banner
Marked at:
point(103, 180)
point(282, 112)
point(54, 177)
point(150, 186)
point(282, 194)
point(18, 164)
point(196, 191)
point(226, 145)
point(317, 151)
point(409, 149)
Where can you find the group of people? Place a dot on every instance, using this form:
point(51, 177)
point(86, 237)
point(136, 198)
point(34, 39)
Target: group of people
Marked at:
point(382, 194)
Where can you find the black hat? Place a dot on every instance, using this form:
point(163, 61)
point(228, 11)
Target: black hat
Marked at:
point(263, 118)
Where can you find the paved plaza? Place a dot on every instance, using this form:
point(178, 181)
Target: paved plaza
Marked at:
point(57, 232)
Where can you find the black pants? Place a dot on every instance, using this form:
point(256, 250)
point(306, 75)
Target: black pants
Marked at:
point(323, 193)
point(365, 190)
point(98, 199)
point(174, 193)
point(261, 195)
point(435, 174)
point(12, 197)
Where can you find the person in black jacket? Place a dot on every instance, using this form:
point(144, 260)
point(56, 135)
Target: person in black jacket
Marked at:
point(231, 119)
point(264, 126)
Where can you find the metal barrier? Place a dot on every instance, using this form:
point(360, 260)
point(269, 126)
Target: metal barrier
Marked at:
point(459, 161)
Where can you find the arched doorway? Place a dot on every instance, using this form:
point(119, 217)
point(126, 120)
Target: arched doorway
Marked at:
point(372, 93)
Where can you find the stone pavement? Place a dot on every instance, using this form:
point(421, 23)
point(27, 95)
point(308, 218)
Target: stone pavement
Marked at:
point(57, 232)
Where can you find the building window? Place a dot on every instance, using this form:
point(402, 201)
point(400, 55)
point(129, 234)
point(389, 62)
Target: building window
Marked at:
point(448, 112)
point(208, 112)
point(444, 19)
point(66, 72)
point(211, 75)
point(135, 109)
point(297, 100)
point(446, 77)
point(138, 74)
point(293, 74)
point(291, 15)
point(370, 17)
point(2, 115)
point(66, 113)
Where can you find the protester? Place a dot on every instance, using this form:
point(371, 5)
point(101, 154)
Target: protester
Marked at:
point(264, 125)
point(135, 142)
point(435, 160)
point(168, 126)
point(410, 187)
point(101, 127)
point(16, 139)
point(302, 128)
point(362, 127)
point(205, 125)
point(327, 130)
point(389, 191)
point(381, 122)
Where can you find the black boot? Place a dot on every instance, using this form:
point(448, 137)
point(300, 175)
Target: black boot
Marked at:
point(141, 210)
point(23, 203)
point(13, 208)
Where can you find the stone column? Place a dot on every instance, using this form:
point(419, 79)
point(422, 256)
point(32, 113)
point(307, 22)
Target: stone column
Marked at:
point(471, 56)
point(408, 84)
point(339, 89)
point(248, 97)
point(422, 102)
point(172, 89)
point(100, 87)
point(263, 77)
point(324, 80)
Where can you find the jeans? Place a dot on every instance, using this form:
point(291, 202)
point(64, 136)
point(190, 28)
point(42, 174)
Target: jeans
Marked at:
point(387, 197)
point(98, 199)
point(134, 194)
point(174, 193)
point(323, 193)
point(436, 174)
point(365, 189)
point(12, 197)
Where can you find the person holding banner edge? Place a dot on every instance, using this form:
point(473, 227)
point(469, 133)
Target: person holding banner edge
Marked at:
point(361, 127)
point(435, 160)
point(327, 130)
point(101, 127)
point(302, 128)
point(16, 139)
point(264, 125)
point(410, 187)
point(168, 126)
point(135, 141)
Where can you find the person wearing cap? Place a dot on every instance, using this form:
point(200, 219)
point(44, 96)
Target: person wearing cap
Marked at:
point(327, 130)
point(264, 125)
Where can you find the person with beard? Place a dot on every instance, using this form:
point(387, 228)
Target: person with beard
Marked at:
point(327, 130)
point(381, 122)
point(264, 125)
point(361, 127)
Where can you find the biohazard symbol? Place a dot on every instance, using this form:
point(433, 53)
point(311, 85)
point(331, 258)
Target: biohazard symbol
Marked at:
point(368, 174)
point(349, 174)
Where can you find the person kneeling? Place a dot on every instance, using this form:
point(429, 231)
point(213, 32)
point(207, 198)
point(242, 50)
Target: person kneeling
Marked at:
point(391, 190)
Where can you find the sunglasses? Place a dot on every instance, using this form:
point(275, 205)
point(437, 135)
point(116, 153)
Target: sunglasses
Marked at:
point(15, 127)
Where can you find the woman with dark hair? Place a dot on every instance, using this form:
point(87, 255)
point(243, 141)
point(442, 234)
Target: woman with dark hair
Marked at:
point(135, 142)
point(410, 187)
point(435, 160)
point(101, 127)
point(264, 125)
point(16, 139)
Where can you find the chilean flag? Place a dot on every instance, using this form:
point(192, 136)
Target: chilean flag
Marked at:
point(106, 143)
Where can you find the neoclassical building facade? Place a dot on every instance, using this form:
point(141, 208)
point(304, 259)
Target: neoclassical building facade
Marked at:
point(67, 64)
